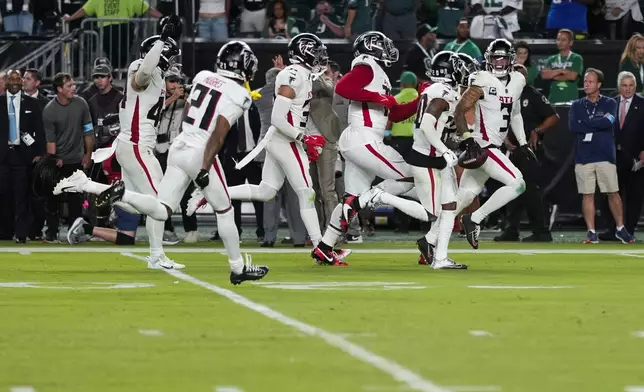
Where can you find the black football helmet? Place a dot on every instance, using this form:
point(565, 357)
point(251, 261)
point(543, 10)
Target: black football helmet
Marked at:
point(236, 60)
point(168, 54)
point(499, 57)
point(308, 49)
point(376, 45)
point(464, 66)
point(441, 68)
point(174, 25)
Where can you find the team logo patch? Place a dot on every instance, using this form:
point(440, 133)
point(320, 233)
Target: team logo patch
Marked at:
point(525, 103)
point(492, 91)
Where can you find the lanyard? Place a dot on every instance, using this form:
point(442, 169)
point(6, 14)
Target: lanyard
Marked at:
point(591, 115)
point(423, 49)
point(456, 50)
point(567, 58)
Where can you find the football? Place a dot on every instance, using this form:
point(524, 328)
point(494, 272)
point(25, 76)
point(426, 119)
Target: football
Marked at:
point(467, 161)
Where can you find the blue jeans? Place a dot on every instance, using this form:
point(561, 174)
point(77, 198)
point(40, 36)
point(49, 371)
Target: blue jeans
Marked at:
point(213, 29)
point(19, 23)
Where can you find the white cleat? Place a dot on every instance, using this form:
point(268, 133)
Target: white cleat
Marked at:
point(447, 263)
point(163, 262)
point(196, 201)
point(342, 253)
point(374, 201)
point(73, 183)
point(76, 233)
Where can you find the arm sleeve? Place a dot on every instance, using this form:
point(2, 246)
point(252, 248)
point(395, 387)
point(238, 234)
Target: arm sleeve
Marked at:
point(88, 125)
point(403, 111)
point(516, 122)
point(150, 62)
point(578, 65)
point(428, 127)
point(90, 7)
point(143, 7)
point(352, 85)
point(48, 124)
point(543, 106)
point(281, 108)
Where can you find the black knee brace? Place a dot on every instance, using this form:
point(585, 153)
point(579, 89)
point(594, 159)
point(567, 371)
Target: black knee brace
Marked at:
point(124, 239)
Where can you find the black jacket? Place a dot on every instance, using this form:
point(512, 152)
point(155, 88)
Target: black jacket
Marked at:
point(30, 122)
point(231, 144)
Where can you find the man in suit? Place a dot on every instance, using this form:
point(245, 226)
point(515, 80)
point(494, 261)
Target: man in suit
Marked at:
point(31, 87)
point(241, 140)
point(629, 143)
point(21, 126)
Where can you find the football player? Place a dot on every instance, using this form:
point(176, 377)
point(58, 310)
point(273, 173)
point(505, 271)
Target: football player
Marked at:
point(495, 94)
point(432, 158)
point(361, 144)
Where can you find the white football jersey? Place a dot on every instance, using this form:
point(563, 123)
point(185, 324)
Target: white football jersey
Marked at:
point(368, 120)
point(444, 124)
point(493, 112)
point(140, 111)
point(300, 80)
point(211, 96)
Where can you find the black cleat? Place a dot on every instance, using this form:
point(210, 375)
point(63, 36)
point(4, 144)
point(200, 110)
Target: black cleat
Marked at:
point(426, 250)
point(111, 195)
point(472, 230)
point(250, 272)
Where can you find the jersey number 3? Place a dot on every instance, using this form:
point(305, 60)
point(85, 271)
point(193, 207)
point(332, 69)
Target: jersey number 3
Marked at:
point(506, 111)
point(207, 115)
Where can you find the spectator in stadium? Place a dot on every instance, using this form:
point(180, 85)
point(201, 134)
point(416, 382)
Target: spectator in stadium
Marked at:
point(31, 87)
point(253, 17)
point(422, 51)
point(357, 18)
point(213, 19)
point(323, 120)
point(22, 128)
point(495, 19)
point(115, 33)
point(3, 81)
point(325, 23)
point(632, 59)
point(69, 134)
point(399, 19)
point(629, 140)
point(524, 57)
point(107, 99)
point(463, 43)
point(17, 16)
point(279, 24)
point(621, 16)
point(569, 15)
point(564, 70)
point(591, 120)
point(100, 63)
point(243, 137)
point(538, 117)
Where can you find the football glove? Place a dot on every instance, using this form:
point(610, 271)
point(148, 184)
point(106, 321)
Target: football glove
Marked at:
point(528, 154)
point(314, 145)
point(450, 158)
point(422, 86)
point(203, 178)
point(387, 101)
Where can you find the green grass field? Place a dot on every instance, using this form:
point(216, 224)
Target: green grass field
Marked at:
point(560, 317)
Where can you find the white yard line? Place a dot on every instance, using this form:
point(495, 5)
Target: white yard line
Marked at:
point(409, 250)
point(23, 389)
point(228, 389)
point(634, 388)
point(398, 372)
point(521, 287)
point(479, 333)
point(150, 332)
point(638, 334)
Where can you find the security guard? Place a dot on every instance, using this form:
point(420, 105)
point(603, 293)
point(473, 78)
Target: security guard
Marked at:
point(538, 117)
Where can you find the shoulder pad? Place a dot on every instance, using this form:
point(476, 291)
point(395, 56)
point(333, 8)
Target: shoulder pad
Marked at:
point(363, 59)
point(439, 90)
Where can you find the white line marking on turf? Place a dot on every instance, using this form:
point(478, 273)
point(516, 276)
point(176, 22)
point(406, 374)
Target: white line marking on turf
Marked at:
point(395, 370)
point(474, 388)
point(521, 287)
point(358, 335)
point(478, 333)
point(23, 389)
point(228, 389)
point(25, 252)
point(150, 332)
point(638, 334)
point(634, 388)
point(340, 285)
point(410, 250)
point(632, 255)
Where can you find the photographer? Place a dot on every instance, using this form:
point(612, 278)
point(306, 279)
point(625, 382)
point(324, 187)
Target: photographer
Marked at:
point(169, 128)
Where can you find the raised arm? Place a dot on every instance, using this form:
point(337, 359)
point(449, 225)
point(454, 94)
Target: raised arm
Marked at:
point(467, 102)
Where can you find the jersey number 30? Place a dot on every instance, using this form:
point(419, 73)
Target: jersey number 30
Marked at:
point(208, 114)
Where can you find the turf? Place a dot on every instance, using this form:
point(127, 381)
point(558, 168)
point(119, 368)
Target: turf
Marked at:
point(578, 338)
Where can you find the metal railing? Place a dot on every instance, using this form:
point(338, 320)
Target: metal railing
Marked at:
point(118, 39)
point(49, 58)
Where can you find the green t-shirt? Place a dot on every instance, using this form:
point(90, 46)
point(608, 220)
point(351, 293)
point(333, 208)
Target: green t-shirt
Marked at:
point(405, 127)
point(565, 91)
point(362, 21)
point(323, 31)
point(533, 72)
point(468, 47)
point(116, 9)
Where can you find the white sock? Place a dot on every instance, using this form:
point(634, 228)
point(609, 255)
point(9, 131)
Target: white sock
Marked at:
point(146, 204)
point(230, 236)
point(501, 197)
point(261, 192)
point(241, 192)
point(411, 208)
point(333, 231)
point(432, 234)
point(95, 188)
point(619, 228)
point(155, 236)
point(445, 228)
point(310, 218)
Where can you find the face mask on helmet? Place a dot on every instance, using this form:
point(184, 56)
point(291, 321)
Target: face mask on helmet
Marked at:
point(499, 64)
point(390, 52)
